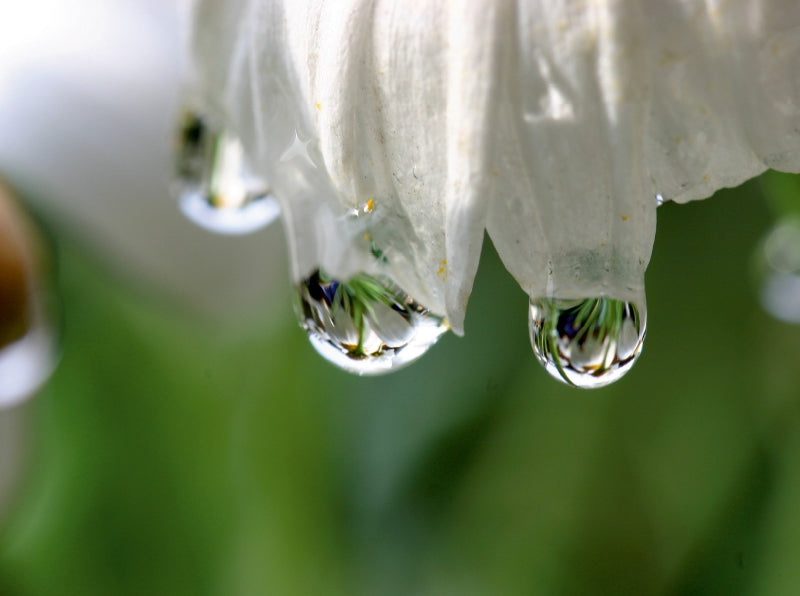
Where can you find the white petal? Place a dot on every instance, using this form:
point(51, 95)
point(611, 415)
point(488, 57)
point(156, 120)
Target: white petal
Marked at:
point(388, 106)
point(609, 103)
point(552, 124)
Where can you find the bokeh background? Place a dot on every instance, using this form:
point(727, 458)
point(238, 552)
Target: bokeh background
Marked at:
point(192, 442)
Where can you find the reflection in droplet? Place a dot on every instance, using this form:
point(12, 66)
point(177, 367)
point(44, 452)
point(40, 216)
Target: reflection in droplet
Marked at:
point(659, 200)
point(779, 269)
point(367, 325)
point(215, 188)
point(587, 343)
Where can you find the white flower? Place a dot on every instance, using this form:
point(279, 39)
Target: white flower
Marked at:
point(550, 124)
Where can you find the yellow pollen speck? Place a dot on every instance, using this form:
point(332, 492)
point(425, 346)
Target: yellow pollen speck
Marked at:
point(678, 140)
point(319, 105)
point(602, 244)
point(442, 273)
point(367, 237)
point(369, 206)
point(624, 218)
point(705, 177)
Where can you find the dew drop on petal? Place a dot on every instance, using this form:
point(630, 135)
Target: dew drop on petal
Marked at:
point(587, 343)
point(779, 271)
point(215, 188)
point(659, 200)
point(367, 325)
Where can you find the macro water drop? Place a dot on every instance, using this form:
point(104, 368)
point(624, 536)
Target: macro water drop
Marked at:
point(778, 271)
point(366, 325)
point(587, 343)
point(214, 185)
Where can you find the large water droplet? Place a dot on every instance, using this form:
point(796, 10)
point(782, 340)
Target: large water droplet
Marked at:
point(367, 325)
point(779, 270)
point(215, 187)
point(587, 343)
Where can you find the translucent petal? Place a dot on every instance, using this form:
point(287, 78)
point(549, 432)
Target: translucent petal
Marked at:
point(394, 133)
point(607, 106)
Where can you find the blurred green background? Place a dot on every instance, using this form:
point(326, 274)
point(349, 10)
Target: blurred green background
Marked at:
point(169, 455)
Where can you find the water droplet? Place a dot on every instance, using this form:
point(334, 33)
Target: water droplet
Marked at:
point(779, 271)
point(298, 151)
point(659, 200)
point(367, 325)
point(26, 364)
point(215, 188)
point(587, 343)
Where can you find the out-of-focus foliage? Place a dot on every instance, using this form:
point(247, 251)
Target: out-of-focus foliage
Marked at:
point(171, 458)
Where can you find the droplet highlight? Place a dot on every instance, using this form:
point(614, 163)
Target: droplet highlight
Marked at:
point(25, 364)
point(587, 343)
point(215, 187)
point(778, 264)
point(367, 325)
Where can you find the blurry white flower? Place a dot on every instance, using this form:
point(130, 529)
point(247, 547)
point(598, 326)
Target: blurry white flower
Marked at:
point(87, 111)
point(27, 346)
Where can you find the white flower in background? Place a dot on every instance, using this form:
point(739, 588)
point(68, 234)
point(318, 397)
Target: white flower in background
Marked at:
point(87, 112)
point(86, 115)
point(394, 134)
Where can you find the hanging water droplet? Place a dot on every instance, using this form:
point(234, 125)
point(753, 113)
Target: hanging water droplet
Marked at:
point(659, 200)
point(367, 325)
point(587, 343)
point(779, 271)
point(215, 188)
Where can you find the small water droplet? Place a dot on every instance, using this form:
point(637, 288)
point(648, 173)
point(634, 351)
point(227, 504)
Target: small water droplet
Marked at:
point(367, 325)
point(659, 200)
point(587, 343)
point(216, 189)
point(298, 150)
point(779, 271)
point(25, 365)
